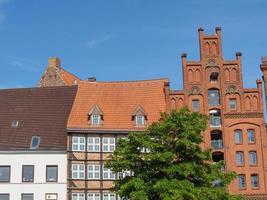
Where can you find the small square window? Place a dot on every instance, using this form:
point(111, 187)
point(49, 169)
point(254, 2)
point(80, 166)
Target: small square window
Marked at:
point(4, 173)
point(51, 173)
point(14, 123)
point(27, 173)
point(232, 104)
point(26, 196)
point(35, 142)
point(95, 119)
point(140, 120)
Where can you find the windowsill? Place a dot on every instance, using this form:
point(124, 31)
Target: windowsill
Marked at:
point(255, 188)
point(240, 165)
point(215, 126)
point(251, 143)
point(242, 189)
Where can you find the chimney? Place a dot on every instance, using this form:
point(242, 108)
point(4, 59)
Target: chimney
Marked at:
point(54, 62)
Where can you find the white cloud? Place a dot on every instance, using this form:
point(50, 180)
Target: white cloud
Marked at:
point(96, 42)
point(24, 64)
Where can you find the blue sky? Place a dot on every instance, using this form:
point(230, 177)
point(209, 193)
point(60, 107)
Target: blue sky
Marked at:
point(124, 39)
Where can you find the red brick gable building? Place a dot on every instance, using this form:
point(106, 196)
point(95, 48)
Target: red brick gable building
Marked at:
point(105, 111)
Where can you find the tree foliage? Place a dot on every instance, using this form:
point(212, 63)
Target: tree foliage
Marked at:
point(167, 162)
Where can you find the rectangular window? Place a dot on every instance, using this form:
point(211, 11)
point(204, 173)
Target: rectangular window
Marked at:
point(108, 174)
point(27, 173)
point(139, 120)
point(241, 181)
point(78, 143)
point(78, 171)
point(251, 136)
point(51, 196)
point(254, 178)
point(4, 173)
point(78, 196)
point(124, 174)
point(232, 104)
point(94, 144)
point(213, 97)
point(109, 196)
point(252, 158)
point(93, 196)
point(95, 119)
point(35, 142)
point(238, 137)
point(239, 158)
point(51, 173)
point(4, 196)
point(93, 171)
point(108, 144)
point(215, 118)
point(195, 105)
point(26, 196)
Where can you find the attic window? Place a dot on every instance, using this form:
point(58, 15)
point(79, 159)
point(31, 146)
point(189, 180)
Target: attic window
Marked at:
point(139, 116)
point(95, 115)
point(14, 123)
point(35, 142)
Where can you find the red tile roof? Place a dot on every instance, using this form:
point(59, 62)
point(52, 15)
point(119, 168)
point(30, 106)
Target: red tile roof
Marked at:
point(40, 111)
point(68, 78)
point(117, 101)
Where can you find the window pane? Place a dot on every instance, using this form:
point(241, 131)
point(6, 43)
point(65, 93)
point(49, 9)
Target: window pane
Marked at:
point(241, 181)
point(4, 196)
point(252, 158)
point(238, 137)
point(254, 180)
point(239, 158)
point(4, 173)
point(195, 105)
point(51, 175)
point(27, 196)
point(213, 97)
point(27, 173)
point(251, 135)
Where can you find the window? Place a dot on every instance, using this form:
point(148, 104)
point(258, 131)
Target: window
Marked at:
point(93, 196)
point(108, 144)
point(214, 77)
point(251, 136)
point(78, 143)
point(139, 120)
point(94, 144)
point(215, 118)
point(51, 196)
point(35, 142)
point(51, 173)
point(95, 119)
point(213, 97)
point(254, 178)
point(252, 158)
point(109, 196)
point(14, 123)
point(26, 196)
point(232, 104)
point(238, 137)
point(27, 173)
point(4, 196)
point(195, 105)
point(4, 173)
point(241, 181)
point(124, 174)
point(239, 158)
point(93, 171)
point(78, 196)
point(78, 171)
point(108, 174)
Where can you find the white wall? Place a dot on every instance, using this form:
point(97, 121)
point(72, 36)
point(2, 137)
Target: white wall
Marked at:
point(39, 187)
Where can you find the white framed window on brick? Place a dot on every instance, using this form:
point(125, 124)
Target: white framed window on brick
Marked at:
point(93, 171)
point(239, 158)
point(78, 143)
point(108, 174)
point(93, 144)
point(241, 181)
point(251, 135)
point(93, 196)
point(139, 120)
point(252, 158)
point(254, 180)
point(95, 119)
point(78, 171)
point(124, 174)
point(109, 196)
point(78, 196)
point(108, 144)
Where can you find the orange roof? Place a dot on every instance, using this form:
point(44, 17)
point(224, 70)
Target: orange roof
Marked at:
point(67, 77)
point(117, 101)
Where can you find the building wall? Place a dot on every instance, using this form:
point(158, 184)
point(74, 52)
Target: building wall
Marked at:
point(39, 187)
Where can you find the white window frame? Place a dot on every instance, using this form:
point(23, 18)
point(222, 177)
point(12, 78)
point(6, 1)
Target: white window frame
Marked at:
point(109, 196)
point(124, 174)
point(80, 196)
point(141, 118)
point(94, 170)
point(108, 144)
point(95, 119)
point(93, 196)
point(108, 174)
point(80, 171)
point(79, 144)
point(94, 145)
point(252, 158)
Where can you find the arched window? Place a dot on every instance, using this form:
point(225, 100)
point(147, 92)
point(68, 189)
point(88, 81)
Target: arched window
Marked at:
point(239, 158)
point(238, 137)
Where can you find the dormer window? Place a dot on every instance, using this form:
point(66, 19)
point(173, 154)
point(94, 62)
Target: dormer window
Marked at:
point(35, 142)
point(14, 123)
point(139, 116)
point(95, 116)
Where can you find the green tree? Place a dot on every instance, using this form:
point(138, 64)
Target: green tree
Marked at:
point(167, 162)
